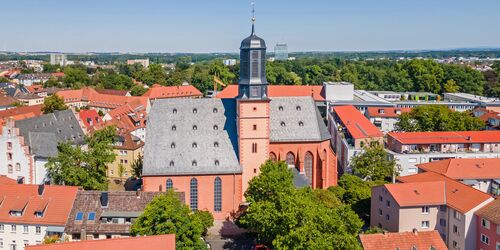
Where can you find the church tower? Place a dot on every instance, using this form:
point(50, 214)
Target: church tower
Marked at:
point(253, 107)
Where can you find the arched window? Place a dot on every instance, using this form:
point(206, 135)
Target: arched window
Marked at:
point(216, 163)
point(308, 166)
point(216, 144)
point(217, 194)
point(290, 158)
point(195, 111)
point(194, 145)
point(216, 127)
point(194, 163)
point(280, 108)
point(174, 111)
point(272, 156)
point(283, 124)
point(169, 185)
point(193, 194)
point(298, 108)
point(18, 167)
point(215, 110)
point(174, 128)
point(10, 169)
point(172, 145)
point(195, 127)
point(301, 124)
point(172, 163)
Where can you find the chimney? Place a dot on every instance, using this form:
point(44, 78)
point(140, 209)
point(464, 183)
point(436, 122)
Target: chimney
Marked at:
point(41, 188)
point(415, 231)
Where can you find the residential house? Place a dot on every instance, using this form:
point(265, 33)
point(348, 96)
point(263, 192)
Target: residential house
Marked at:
point(412, 148)
point(426, 202)
point(30, 79)
point(91, 120)
point(161, 92)
point(482, 174)
point(106, 215)
point(428, 240)
point(6, 102)
point(385, 118)
point(129, 117)
point(20, 113)
point(488, 225)
point(490, 117)
point(29, 99)
point(351, 131)
point(155, 242)
point(28, 144)
point(29, 213)
point(128, 148)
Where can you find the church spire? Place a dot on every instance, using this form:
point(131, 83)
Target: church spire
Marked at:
point(253, 18)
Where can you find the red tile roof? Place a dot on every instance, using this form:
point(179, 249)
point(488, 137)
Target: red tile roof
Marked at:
point(159, 92)
point(404, 240)
point(6, 100)
point(91, 119)
point(128, 117)
point(356, 123)
point(418, 193)
point(95, 99)
point(315, 92)
point(58, 74)
point(386, 112)
point(6, 180)
point(34, 88)
point(463, 169)
point(446, 137)
point(58, 199)
point(112, 92)
point(156, 242)
point(458, 195)
point(491, 211)
point(20, 113)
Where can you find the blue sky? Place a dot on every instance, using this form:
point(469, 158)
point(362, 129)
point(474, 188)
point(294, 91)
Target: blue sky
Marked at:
point(220, 25)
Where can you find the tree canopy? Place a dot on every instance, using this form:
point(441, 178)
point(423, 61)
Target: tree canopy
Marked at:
point(290, 218)
point(166, 214)
point(438, 118)
point(53, 103)
point(76, 166)
point(373, 164)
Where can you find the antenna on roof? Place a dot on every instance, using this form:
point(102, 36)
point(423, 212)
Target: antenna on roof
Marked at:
point(253, 17)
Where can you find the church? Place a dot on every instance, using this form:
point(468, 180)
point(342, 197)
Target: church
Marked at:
point(210, 148)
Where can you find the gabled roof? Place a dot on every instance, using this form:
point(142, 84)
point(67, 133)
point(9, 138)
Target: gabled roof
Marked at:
point(491, 211)
point(128, 117)
point(156, 242)
point(403, 240)
point(465, 169)
point(95, 99)
point(458, 196)
point(6, 101)
point(6, 180)
point(159, 92)
point(314, 91)
point(418, 193)
point(386, 112)
point(446, 137)
point(112, 92)
point(356, 123)
point(20, 113)
point(58, 202)
point(91, 119)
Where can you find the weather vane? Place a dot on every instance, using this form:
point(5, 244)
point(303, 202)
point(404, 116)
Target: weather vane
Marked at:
point(253, 11)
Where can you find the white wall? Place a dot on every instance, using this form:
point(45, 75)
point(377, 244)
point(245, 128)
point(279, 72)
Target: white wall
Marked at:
point(18, 156)
point(19, 237)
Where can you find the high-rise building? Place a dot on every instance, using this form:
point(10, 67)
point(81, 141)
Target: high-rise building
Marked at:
point(58, 59)
point(281, 52)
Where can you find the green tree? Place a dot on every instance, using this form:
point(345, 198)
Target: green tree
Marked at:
point(137, 166)
point(138, 90)
point(374, 164)
point(290, 218)
point(75, 76)
point(166, 214)
point(4, 79)
point(53, 103)
point(451, 86)
point(76, 166)
point(49, 68)
point(438, 118)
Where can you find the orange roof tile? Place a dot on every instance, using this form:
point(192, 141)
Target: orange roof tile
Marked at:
point(458, 196)
point(446, 137)
point(6, 100)
point(112, 92)
point(34, 88)
point(404, 240)
point(20, 113)
point(59, 200)
point(6, 180)
point(418, 193)
point(463, 169)
point(314, 91)
point(356, 123)
point(159, 92)
point(95, 99)
point(156, 242)
point(491, 211)
point(386, 112)
point(91, 119)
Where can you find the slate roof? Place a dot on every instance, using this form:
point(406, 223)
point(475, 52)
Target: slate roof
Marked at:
point(171, 151)
point(296, 119)
point(42, 133)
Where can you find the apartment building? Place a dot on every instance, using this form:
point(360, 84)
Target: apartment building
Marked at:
point(412, 148)
point(29, 213)
point(426, 202)
point(488, 224)
point(385, 118)
point(481, 174)
point(351, 131)
point(406, 240)
point(128, 149)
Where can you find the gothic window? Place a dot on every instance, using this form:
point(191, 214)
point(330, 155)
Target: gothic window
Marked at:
point(272, 156)
point(169, 185)
point(308, 165)
point(290, 158)
point(217, 194)
point(193, 194)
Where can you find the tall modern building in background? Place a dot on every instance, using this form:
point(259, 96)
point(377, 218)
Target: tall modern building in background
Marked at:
point(281, 52)
point(58, 59)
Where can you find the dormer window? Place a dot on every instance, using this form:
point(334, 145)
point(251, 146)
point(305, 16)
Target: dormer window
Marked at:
point(280, 108)
point(194, 145)
point(216, 162)
point(216, 144)
point(301, 124)
point(195, 111)
point(298, 108)
point(215, 110)
point(171, 163)
point(39, 214)
point(172, 145)
point(174, 128)
point(216, 127)
point(194, 163)
point(283, 124)
point(174, 111)
point(381, 111)
point(195, 127)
